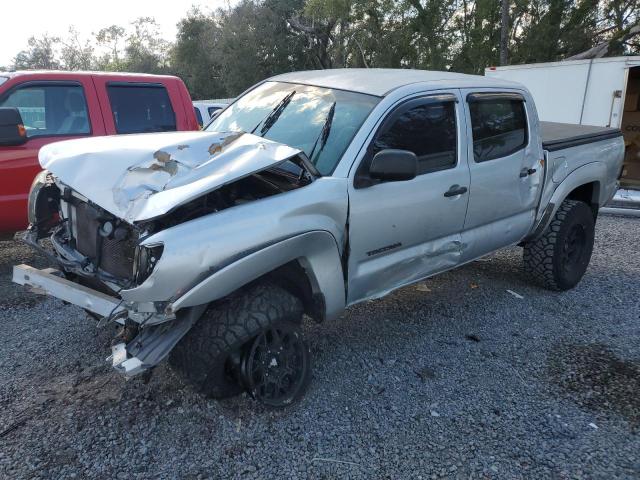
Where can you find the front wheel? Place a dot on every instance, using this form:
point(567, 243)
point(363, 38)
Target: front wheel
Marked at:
point(276, 366)
point(250, 340)
point(560, 257)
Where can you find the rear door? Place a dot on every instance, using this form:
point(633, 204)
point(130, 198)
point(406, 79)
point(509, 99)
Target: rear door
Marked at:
point(139, 107)
point(400, 232)
point(506, 171)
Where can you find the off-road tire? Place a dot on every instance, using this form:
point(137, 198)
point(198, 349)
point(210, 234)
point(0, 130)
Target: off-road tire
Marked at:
point(202, 356)
point(546, 258)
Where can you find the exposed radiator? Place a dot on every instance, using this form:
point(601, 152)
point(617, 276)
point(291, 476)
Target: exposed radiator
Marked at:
point(111, 255)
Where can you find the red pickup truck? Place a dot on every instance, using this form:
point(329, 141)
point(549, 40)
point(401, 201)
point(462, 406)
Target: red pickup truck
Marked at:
point(37, 108)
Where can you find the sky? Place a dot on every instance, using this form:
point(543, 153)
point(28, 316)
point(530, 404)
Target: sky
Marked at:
point(21, 20)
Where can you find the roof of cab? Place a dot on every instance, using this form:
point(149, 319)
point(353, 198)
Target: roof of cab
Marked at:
point(382, 81)
point(61, 73)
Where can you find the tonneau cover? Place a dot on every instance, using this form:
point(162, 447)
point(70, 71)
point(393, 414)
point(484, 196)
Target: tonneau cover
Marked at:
point(556, 136)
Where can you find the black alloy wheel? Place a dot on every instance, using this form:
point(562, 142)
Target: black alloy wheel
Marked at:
point(276, 366)
point(574, 247)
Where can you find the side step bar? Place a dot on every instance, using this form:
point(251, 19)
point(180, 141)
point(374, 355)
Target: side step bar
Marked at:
point(624, 202)
point(51, 282)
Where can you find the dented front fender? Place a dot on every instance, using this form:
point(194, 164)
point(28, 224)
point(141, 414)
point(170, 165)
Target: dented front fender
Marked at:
point(317, 251)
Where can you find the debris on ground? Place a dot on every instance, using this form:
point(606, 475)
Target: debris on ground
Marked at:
point(515, 294)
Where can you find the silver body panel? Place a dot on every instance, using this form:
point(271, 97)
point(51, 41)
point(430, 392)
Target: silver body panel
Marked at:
point(142, 176)
point(197, 252)
point(401, 232)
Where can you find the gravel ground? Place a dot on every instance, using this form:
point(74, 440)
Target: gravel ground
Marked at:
point(454, 377)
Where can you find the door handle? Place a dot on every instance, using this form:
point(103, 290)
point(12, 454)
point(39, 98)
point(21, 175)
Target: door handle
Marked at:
point(525, 172)
point(455, 190)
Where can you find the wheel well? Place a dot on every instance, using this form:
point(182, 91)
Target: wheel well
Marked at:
point(588, 193)
point(293, 277)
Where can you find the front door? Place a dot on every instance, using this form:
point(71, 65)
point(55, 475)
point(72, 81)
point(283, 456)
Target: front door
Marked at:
point(51, 111)
point(402, 231)
point(506, 170)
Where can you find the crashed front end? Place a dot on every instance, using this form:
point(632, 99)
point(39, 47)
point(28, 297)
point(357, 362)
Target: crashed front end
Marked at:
point(100, 233)
point(92, 246)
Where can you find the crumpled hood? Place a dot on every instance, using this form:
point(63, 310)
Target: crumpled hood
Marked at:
point(142, 176)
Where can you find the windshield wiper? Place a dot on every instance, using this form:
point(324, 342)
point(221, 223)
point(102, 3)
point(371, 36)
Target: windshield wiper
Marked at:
point(274, 114)
point(324, 133)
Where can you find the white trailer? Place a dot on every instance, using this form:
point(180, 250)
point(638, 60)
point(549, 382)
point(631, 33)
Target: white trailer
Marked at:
point(602, 91)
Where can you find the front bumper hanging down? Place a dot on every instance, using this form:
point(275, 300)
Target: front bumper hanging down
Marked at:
point(152, 343)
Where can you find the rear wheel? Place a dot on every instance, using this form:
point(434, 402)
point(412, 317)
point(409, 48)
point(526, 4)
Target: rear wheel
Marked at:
point(560, 257)
point(212, 353)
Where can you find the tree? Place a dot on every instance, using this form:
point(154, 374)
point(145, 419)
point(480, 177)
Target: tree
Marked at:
point(110, 39)
point(76, 54)
point(504, 32)
point(145, 49)
point(221, 53)
point(255, 43)
point(40, 54)
point(477, 28)
point(552, 29)
point(194, 57)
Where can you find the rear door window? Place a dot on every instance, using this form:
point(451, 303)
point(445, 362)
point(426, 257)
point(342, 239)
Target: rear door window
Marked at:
point(50, 110)
point(499, 126)
point(141, 108)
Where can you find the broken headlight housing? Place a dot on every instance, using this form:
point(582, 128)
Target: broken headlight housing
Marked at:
point(144, 261)
point(43, 202)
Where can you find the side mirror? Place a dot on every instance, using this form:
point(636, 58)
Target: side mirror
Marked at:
point(394, 165)
point(12, 131)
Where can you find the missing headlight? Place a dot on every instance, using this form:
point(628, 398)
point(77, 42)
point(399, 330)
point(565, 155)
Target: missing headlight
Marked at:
point(145, 259)
point(43, 206)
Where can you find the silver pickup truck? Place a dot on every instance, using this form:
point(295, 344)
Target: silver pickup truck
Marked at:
point(312, 192)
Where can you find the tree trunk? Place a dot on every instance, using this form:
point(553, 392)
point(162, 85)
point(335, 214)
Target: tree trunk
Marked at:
point(504, 32)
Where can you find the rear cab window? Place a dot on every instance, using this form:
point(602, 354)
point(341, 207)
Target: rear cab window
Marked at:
point(499, 124)
point(50, 108)
point(141, 108)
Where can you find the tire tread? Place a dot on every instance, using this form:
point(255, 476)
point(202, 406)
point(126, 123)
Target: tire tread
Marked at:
point(225, 327)
point(539, 254)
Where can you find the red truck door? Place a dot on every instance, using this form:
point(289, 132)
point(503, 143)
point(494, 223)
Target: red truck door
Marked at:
point(133, 105)
point(51, 110)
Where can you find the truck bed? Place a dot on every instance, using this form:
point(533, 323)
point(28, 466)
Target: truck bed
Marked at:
point(558, 136)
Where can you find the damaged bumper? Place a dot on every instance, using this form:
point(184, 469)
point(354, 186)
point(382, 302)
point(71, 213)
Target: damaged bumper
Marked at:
point(150, 344)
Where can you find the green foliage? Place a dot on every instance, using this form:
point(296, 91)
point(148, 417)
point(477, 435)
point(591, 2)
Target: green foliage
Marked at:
point(221, 53)
point(40, 54)
point(194, 55)
point(255, 43)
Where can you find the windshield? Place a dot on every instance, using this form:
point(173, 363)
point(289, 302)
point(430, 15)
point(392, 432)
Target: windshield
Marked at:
point(305, 113)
